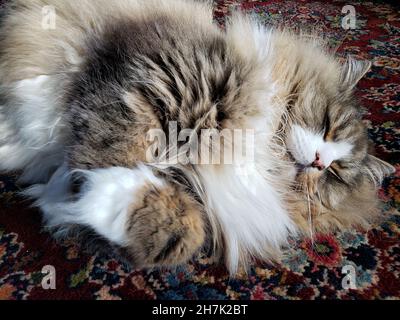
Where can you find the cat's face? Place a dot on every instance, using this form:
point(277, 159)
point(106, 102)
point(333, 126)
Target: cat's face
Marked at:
point(329, 153)
point(328, 143)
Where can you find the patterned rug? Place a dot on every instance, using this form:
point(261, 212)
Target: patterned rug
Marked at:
point(306, 273)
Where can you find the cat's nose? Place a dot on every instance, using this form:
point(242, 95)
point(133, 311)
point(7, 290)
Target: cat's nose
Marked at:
point(317, 163)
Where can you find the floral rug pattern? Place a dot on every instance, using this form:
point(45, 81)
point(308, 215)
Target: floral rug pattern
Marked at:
point(310, 270)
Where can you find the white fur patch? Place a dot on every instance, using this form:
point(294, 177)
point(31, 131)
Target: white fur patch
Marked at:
point(257, 40)
point(31, 126)
point(249, 211)
point(303, 144)
point(245, 200)
point(104, 201)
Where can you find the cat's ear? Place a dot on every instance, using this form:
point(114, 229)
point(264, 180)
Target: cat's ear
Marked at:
point(378, 169)
point(352, 72)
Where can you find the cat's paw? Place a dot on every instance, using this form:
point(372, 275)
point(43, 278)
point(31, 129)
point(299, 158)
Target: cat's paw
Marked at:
point(165, 227)
point(156, 222)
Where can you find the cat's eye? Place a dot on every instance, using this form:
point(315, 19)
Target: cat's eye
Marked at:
point(77, 181)
point(334, 172)
point(340, 164)
point(327, 125)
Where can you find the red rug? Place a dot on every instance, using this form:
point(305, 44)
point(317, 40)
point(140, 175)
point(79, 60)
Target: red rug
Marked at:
point(306, 273)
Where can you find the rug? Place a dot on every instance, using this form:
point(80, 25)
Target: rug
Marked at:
point(308, 272)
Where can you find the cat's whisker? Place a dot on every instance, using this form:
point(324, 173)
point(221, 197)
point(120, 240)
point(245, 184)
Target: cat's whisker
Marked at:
point(310, 222)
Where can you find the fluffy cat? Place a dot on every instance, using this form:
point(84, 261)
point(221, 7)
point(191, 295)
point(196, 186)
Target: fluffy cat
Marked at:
point(76, 103)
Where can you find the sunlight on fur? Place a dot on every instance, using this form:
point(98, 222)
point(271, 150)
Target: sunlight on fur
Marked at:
point(76, 106)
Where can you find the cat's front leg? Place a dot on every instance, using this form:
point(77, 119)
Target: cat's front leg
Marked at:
point(165, 226)
point(157, 222)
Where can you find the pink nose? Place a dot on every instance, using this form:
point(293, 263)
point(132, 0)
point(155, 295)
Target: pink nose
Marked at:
point(318, 162)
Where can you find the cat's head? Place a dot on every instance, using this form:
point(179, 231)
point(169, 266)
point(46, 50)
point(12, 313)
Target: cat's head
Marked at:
point(327, 139)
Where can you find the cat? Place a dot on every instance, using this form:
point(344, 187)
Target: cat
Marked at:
point(77, 102)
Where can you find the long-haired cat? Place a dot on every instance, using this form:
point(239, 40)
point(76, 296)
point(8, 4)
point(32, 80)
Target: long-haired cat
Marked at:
point(77, 102)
